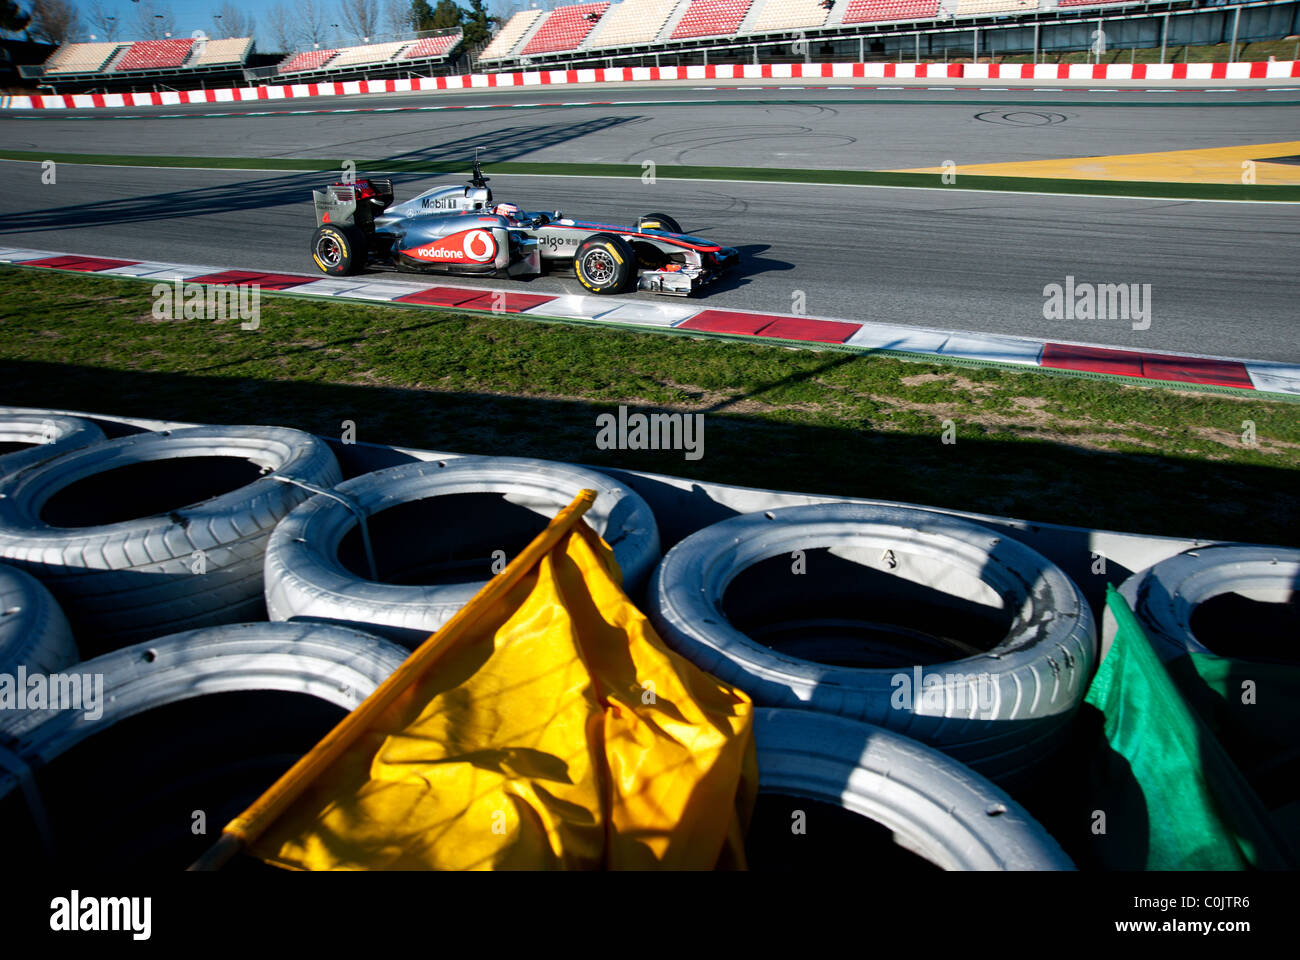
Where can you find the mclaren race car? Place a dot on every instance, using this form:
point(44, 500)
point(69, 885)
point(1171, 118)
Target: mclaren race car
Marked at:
point(460, 230)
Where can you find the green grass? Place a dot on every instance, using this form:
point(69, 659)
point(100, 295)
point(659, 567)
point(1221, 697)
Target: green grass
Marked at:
point(1053, 449)
point(1271, 193)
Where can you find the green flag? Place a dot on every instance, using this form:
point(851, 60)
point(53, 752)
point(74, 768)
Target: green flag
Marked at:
point(1171, 797)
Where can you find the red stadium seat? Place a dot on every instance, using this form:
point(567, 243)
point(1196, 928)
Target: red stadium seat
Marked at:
point(865, 11)
point(155, 54)
point(307, 60)
point(564, 29)
point(431, 47)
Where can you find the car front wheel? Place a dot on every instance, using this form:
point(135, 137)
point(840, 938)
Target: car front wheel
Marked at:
point(604, 263)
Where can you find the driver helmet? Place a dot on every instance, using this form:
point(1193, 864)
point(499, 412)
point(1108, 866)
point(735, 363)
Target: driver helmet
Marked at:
point(510, 211)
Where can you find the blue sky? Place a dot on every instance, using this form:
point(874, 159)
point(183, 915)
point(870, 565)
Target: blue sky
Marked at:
point(190, 15)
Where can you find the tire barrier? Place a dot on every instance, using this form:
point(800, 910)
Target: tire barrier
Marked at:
point(1023, 635)
point(1170, 597)
point(158, 532)
point(45, 437)
point(935, 807)
point(34, 633)
point(185, 731)
point(463, 511)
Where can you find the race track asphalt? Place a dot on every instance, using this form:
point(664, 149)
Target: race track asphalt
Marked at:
point(1221, 275)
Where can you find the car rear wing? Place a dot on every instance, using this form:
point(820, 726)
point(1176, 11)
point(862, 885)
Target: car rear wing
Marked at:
point(337, 204)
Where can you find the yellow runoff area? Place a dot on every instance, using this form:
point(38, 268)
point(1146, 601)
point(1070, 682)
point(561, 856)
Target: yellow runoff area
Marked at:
point(558, 733)
point(1264, 163)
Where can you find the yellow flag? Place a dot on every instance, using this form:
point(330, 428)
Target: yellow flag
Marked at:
point(558, 733)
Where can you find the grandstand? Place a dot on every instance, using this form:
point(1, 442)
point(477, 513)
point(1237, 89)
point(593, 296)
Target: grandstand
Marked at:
point(368, 53)
point(307, 60)
point(154, 55)
point(369, 60)
point(778, 15)
point(509, 36)
point(120, 65)
point(640, 32)
point(188, 62)
point(73, 58)
point(711, 18)
point(218, 53)
point(976, 8)
point(869, 11)
point(430, 47)
point(628, 23)
point(565, 28)
point(688, 31)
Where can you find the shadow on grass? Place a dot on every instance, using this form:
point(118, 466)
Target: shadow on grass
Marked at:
point(1032, 480)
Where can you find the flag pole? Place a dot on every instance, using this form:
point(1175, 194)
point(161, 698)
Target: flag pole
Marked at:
point(245, 829)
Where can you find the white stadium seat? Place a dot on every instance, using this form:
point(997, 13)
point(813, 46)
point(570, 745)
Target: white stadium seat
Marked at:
point(632, 22)
point(81, 57)
point(215, 52)
point(510, 35)
point(367, 53)
point(789, 15)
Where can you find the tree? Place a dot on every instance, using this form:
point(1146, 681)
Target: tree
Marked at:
point(154, 20)
point(397, 16)
point(421, 15)
point(53, 21)
point(360, 17)
point(12, 17)
point(102, 22)
point(284, 28)
point(447, 14)
point(478, 29)
point(233, 22)
point(313, 24)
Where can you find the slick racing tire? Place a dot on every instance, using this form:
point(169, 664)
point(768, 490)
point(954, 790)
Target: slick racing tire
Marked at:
point(1000, 709)
point(339, 249)
point(422, 582)
point(658, 221)
point(48, 436)
point(605, 263)
point(33, 630)
point(937, 808)
point(1165, 598)
point(185, 729)
point(158, 532)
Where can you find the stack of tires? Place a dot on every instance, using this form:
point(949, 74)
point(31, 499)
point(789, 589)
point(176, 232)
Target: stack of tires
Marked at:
point(903, 661)
point(148, 549)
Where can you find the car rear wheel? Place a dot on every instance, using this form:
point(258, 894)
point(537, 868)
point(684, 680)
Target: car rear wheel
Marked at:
point(339, 250)
point(604, 263)
point(658, 221)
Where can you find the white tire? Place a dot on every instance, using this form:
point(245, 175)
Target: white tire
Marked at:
point(999, 710)
point(937, 808)
point(193, 728)
point(161, 563)
point(34, 633)
point(1165, 596)
point(48, 436)
point(305, 578)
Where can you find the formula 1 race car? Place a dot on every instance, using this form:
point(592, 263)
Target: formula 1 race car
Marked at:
point(460, 230)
